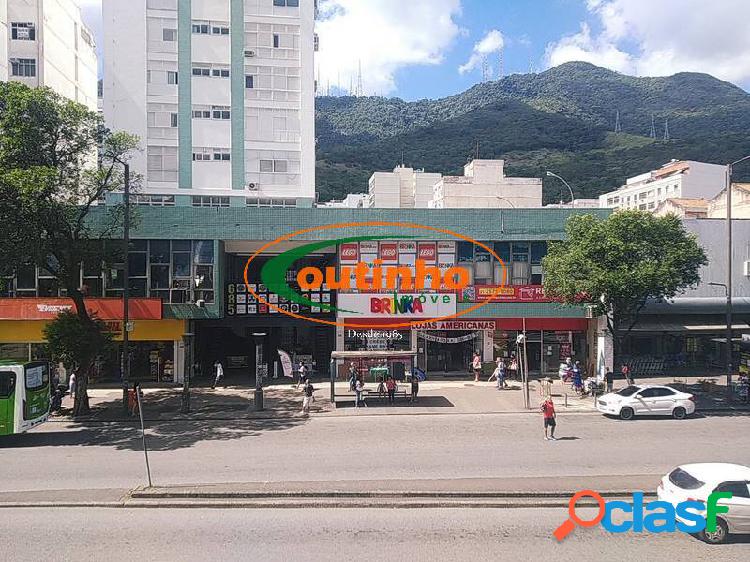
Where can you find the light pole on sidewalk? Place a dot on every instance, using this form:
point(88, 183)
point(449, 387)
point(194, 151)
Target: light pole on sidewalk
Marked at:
point(125, 365)
point(570, 189)
point(258, 398)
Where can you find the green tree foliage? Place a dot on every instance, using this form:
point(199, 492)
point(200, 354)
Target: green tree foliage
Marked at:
point(50, 180)
point(77, 342)
point(619, 263)
point(560, 120)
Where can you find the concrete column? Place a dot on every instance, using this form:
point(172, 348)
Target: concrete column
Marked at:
point(604, 346)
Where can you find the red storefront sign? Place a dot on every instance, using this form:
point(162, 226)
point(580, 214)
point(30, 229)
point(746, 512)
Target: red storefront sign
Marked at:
point(105, 309)
point(427, 251)
point(389, 251)
point(349, 253)
point(508, 293)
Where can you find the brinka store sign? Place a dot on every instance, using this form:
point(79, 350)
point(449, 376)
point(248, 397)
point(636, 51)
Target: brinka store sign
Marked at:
point(411, 306)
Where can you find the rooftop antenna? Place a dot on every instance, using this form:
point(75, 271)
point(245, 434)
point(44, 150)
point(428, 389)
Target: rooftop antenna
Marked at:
point(653, 126)
point(666, 130)
point(618, 124)
point(360, 87)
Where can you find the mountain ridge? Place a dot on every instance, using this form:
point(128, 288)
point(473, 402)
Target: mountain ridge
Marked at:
point(561, 119)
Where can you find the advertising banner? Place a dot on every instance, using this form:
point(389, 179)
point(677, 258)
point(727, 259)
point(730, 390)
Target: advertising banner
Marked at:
point(404, 306)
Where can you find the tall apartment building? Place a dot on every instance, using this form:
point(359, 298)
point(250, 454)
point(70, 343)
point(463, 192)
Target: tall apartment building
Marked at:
point(45, 43)
point(221, 94)
point(679, 179)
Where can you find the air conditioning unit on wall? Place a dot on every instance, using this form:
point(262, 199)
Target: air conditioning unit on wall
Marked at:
point(250, 53)
point(746, 269)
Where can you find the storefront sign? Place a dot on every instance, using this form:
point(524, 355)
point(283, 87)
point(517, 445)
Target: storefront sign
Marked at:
point(389, 251)
point(349, 253)
point(446, 248)
point(507, 293)
point(410, 306)
point(448, 325)
point(440, 339)
point(407, 247)
point(105, 309)
point(427, 252)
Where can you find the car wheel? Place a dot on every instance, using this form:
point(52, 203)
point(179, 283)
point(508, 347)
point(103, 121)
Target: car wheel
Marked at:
point(717, 537)
point(679, 413)
point(627, 414)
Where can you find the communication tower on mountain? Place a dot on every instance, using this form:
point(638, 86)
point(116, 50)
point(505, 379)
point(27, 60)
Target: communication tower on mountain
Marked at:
point(618, 124)
point(666, 130)
point(653, 126)
point(501, 64)
point(485, 69)
point(360, 85)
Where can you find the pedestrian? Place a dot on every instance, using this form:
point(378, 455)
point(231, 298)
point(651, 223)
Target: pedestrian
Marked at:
point(390, 385)
point(414, 387)
point(577, 377)
point(627, 374)
point(565, 372)
point(133, 399)
point(548, 410)
point(382, 392)
point(72, 385)
point(513, 368)
point(302, 374)
point(352, 377)
point(307, 397)
point(219, 372)
point(359, 393)
point(609, 378)
point(476, 366)
point(499, 374)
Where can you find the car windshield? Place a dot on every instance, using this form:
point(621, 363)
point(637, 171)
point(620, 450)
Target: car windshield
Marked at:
point(628, 391)
point(684, 480)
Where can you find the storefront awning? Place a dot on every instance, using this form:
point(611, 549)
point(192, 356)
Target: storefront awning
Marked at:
point(104, 309)
point(686, 327)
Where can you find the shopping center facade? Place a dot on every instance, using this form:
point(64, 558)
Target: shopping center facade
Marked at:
point(194, 294)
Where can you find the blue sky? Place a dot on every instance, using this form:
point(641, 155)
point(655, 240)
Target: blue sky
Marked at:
point(433, 48)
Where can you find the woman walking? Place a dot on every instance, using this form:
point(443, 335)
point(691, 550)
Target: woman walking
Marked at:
point(390, 385)
point(476, 366)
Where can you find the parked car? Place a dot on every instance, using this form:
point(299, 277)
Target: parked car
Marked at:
point(698, 481)
point(647, 400)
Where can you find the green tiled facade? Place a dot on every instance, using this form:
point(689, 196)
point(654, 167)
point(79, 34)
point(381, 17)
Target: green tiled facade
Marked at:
point(268, 224)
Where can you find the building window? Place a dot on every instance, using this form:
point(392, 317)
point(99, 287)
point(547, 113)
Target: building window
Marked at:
point(274, 166)
point(201, 114)
point(222, 155)
point(173, 122)
point(23, 67)
point(22, 31)
point(201, 28)
point(249, 81)
point(221, 112)
point(286, 3)
point(202, 155)
point(280, 203)
point(155, 200)
point(169, 34)
point(276, 41)
point(219, 30)
point(220, 73)
point(172, 78)
point(198, 71)
point(210, 201)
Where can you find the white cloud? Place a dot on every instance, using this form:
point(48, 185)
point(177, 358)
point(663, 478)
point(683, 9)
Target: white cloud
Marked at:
point(657, 38)
point(385, 36)
point(493, 42)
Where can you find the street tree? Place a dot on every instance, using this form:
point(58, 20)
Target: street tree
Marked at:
point(616, 265)
point(57, 162)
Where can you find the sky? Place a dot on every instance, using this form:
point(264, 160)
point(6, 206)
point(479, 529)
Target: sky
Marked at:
point(417, 49)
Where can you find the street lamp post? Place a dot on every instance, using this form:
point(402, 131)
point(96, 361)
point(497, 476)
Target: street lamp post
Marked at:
point(258, 398)
point(572, 196)
point(730, 169)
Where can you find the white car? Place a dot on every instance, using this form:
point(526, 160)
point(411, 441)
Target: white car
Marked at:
point(698, 481)
point(647, 400)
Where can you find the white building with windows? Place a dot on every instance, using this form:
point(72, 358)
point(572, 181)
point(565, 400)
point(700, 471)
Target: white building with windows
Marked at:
point(45, 43)
point(679, 179)
point(221, 93)
point(403, 188)
point(485, 185)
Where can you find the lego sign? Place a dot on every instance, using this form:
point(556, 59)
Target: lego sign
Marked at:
point(349, 253)
point(427, 252)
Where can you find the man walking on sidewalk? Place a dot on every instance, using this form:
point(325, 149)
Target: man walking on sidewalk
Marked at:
point(548, 410)
point(219, 373)
point(307, 397)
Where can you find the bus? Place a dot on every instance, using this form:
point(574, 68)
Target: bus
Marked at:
point(24, 395)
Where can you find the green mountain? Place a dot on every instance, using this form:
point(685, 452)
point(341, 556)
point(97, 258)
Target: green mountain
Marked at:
point(561, 120)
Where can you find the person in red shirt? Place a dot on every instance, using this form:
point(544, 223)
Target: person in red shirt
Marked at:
point(390, 384)
point(548, 410)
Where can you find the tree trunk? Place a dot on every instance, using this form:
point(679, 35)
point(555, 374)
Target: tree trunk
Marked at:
point(85, 364)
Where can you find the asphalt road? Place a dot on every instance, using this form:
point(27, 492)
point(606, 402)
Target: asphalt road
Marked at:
point(335, 534)
point(60, 456)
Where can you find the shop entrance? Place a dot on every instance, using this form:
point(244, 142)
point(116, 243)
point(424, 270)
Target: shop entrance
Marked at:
point(448, 351)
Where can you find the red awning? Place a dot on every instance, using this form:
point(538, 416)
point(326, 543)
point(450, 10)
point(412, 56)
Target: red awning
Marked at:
point(105, 309)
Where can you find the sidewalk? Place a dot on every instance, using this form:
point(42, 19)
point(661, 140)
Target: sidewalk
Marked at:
point(436, 397)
